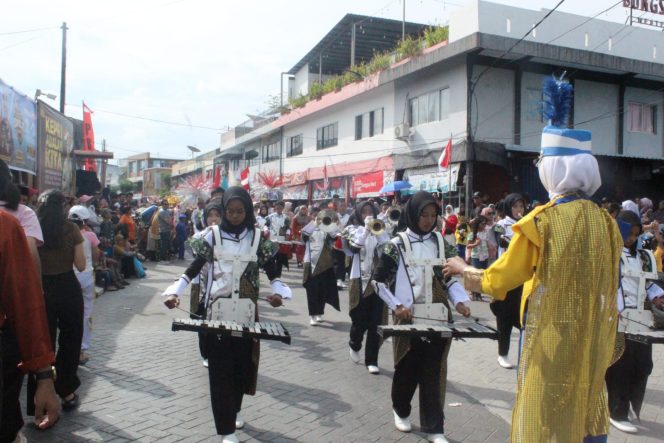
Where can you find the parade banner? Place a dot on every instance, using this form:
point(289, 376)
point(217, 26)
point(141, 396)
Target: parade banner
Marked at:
point(88, 138)
point(337, 186)
point(300, 192)
point(431, 180)
point(18, 130)
point(56, 141)
point(368, 185)
point(296, 178)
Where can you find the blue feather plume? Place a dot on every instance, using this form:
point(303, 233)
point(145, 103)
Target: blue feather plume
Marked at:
point(557, 100)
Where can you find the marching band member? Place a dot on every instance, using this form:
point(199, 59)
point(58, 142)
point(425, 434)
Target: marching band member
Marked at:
point(279, 226)
point(233, 361)
point(626, 379)
point(569, 332)
point(400, 281)
point(319, 278)
point(507, 311)
point(338, 254)
point(366, 309)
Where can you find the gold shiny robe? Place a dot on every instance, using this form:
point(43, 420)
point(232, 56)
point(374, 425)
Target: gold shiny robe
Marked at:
point(567, 255)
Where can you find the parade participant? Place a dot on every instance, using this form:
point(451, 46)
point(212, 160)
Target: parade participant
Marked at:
point(627, 378)
point(197, 219)
point(233, 361)
point(318, 279)
point(339, 255)
point(301, 219)
point(26, 344)
point(262, 220)
point(366, 309)
point(507, 311)
point(79, 215)
point(566, 253)
point(400, 281)
point(279, 226)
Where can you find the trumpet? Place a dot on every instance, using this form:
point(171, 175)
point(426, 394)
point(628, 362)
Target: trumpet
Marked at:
point(394, 215)
point(327, 221)
point(376, 227)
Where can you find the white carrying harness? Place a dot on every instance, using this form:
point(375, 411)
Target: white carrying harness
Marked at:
point(434, 313)
point(635, 320)
point(234, 308)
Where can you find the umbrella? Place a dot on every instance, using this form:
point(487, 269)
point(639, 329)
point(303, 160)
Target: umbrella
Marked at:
point(395, 186)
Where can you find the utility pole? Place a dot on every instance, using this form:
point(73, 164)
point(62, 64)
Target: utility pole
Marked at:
point(352, 45)
point(403, 21)
point(103, 164)
point(64, 67)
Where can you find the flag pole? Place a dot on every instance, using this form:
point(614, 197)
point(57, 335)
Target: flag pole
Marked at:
point(449, 174)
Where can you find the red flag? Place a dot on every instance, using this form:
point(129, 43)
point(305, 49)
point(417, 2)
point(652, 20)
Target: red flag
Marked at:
point(326, 181)
point(445, 156)
point(217, 177)
point(244, 178)
point(88, 138)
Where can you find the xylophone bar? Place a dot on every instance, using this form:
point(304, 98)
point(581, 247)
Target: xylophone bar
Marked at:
point(450, 330)
point(656, 337)
point(264, 330)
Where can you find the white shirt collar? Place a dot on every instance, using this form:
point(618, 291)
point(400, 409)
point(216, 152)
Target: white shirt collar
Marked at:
point(417, 237)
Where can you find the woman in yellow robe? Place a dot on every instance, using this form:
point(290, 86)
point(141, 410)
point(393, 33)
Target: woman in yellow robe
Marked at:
point(566, 253)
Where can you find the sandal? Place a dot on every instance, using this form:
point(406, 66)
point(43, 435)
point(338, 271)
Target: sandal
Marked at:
point(70, 404)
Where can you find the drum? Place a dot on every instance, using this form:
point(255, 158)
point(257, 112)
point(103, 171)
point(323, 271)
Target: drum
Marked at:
point(286, 248)
point(339, 243)
point(298, 248)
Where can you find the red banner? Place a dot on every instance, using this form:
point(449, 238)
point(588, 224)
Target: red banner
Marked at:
point(366, 184)
point(88, 138)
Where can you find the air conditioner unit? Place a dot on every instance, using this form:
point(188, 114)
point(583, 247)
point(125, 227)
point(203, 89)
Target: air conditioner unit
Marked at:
point(403, 131)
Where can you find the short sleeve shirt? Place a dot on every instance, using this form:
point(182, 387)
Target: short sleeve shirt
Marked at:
point(165, 220)
point(29, 222)
point(61, 260)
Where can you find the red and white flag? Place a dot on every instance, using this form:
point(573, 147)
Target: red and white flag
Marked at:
point(326, 181)
point(445, 156)
point(244, 178)
point(88, 138)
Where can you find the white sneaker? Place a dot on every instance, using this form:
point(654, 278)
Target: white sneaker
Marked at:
point(354, 356)
point(312, 321)
point(402, 424)
point(504, 362)
point(437, 438)
point(318, 318)
point(205, 363)
point(373, 369)
point(239, 422)
point(624, 425)
point(230, 438)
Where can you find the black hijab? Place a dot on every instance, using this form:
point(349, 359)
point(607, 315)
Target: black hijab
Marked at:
point(213, 205)
point(414, 208)
point(510, 201)
point(357, 218)
point(238, 193)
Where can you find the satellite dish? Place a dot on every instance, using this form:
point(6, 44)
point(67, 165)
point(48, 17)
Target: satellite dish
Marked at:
point(193, 148)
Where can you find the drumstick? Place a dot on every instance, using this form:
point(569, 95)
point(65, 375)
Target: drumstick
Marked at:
point(184, 310)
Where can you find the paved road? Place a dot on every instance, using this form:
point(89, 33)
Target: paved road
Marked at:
point(146, 383)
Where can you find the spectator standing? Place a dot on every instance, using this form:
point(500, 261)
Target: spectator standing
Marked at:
point(88, 201)
point(658, 215)
point(478, 205)
point(106, 228)
point(181, 235)
point(479, 249)
point(61, 252)
point(450, 221)
point(165, 218)
point(128, 224)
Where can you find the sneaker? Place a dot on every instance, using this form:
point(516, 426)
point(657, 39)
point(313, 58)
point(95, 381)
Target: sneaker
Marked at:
point(504, 362)
point(230, 438)
point(239, 422)
point(205, 363)
point(341, 285)
point(318, 318)
point(373, 369)
point(354, 356)
point(402, 424)
point(437, 438)
point(312, 321)
point(624, 425)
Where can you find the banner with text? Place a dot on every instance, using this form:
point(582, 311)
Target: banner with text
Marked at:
point(432, 180)
point(18, 130)
point(300, 192)
point(369, 185)
point(56, 141)
point(337, 186)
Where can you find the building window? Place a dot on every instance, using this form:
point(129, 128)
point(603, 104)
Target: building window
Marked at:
point(271, 152)
point(327, 136)
point(369, 124)
point(294, 145)
point(430, 107)
point(642, 118)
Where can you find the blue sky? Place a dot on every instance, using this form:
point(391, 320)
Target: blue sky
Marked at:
point(199, 64)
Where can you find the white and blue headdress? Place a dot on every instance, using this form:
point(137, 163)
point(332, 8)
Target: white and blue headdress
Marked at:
point(566, 161)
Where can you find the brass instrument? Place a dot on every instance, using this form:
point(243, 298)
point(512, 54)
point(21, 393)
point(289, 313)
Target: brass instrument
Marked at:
point(394, 215)
point(376, 227)
point(327, 221)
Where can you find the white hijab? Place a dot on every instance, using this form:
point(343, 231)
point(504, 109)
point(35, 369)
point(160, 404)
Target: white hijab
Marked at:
point(569, 173)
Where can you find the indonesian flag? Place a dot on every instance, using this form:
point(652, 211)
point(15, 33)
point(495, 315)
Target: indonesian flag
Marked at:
point(445, 156)
point(88, 138)
point(326, 181)
point(217, 177)
point(244, 178)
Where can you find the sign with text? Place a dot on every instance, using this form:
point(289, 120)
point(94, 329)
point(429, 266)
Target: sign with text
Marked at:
point(299, 192)
point(56, 141)
point(368, 185)
point(651, 6)
point(433, 181)
point(18, 130)
point(336, 186)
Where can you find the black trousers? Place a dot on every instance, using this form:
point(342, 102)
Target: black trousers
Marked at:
point(64, 309)
point(230, 371)
point(420, 367)
point(202, 342)
point(11, 418)
point(507, 314)
point(366, 317)
point(626, 380)
point(339, 264)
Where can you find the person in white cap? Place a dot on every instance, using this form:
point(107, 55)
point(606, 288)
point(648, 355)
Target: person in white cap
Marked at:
point(569, 306)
